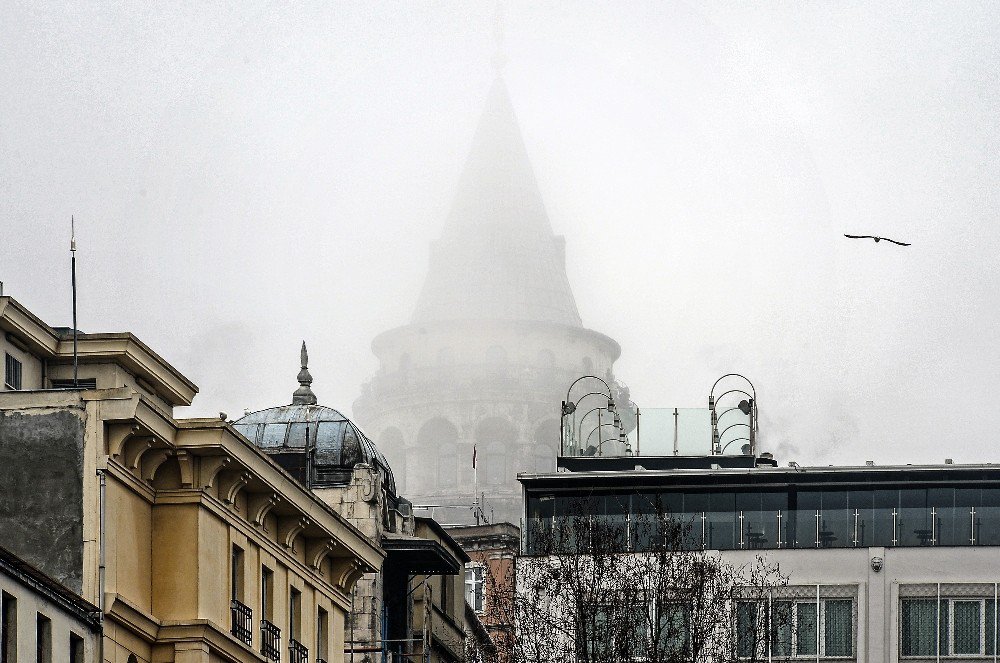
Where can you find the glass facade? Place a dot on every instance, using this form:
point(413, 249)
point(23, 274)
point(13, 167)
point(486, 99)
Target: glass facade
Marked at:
point(768, 518)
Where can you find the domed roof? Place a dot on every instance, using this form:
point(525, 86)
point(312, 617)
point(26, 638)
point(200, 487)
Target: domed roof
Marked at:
point(336, 445)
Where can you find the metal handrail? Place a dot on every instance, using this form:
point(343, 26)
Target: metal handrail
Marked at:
point(270, 641)
point(242, 618)
point(297, 652)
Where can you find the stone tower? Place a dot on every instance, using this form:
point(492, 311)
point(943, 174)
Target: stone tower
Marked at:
point(494, 341)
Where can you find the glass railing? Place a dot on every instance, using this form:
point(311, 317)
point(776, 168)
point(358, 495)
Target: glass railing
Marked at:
point(764, 519)
point(654, 432)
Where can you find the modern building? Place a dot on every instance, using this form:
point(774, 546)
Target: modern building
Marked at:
point(194, 544)
point(884, 563)
point(41, 620)
point(412, 608)
point(493, 342)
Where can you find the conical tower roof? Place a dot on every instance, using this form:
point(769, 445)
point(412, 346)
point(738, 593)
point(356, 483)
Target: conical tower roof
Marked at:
point(497, 258)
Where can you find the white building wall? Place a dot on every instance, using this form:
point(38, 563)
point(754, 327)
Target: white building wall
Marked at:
point(878, 592)
point(29, 604)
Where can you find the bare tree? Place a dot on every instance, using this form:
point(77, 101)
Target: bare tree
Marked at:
point(600, 589)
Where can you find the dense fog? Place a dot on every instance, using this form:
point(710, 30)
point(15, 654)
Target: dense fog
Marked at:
point(250, 175)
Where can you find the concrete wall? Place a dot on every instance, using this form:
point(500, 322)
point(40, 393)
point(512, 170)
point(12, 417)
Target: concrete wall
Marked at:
point(41, 505)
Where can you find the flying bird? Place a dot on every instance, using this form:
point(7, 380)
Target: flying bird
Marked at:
point(877, 239)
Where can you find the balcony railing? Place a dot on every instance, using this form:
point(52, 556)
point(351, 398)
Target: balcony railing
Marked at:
point(297, 652)
point(242, 620)
point(270, 641)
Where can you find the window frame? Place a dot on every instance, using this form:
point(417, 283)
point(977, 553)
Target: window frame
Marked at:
point(945, 643)
point(765, 611)
point(475, 591)
point(13, 375)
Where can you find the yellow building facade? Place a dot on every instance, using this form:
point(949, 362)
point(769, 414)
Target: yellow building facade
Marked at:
point(195, 545)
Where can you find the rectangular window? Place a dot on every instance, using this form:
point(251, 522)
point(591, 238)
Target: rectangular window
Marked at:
point(322, 633)
point(446, 591)
point(8, 628)
point(12, 372)
point(474, 586)
point(76, 651)
point(267, 593)
point(838, 628)
point(236, 574)
point(953, 627)
point(673, 625)
point(806, 633)
point(795, 629)
point(43, 639)
point(81, 383)
point(294, 614)
point(967, 628)
point(781, 628)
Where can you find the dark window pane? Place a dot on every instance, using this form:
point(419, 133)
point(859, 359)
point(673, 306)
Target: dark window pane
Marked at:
point(917, 627)
point(781, 628)
point(886, 504)
point(838, 628)
point(805, 629)
point(836, 528)
point(988, 517)
point(967, 626)
point(913, 522)
point(746, 629)
point(274, 436)
point(859, 505)
point(721, 522)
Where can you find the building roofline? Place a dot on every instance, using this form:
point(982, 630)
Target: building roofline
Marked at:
point(56, 345)
point(54, 591)
point(196, 424)
point(772, 475)
point(436, 527)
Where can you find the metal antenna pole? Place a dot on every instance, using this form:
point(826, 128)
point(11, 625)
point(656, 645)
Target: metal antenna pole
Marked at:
point(72, 250)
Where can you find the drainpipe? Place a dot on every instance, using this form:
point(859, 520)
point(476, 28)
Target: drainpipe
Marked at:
point(101, 569)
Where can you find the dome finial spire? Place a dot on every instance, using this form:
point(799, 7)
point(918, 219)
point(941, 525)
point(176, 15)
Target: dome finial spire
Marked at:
point(304, 394)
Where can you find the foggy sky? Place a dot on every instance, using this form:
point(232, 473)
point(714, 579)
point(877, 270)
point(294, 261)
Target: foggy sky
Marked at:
point(246, 176)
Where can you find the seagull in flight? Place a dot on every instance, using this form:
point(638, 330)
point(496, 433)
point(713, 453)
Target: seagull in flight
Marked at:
point(877, 239)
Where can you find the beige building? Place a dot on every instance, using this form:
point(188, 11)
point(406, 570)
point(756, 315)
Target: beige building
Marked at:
point(196, 546)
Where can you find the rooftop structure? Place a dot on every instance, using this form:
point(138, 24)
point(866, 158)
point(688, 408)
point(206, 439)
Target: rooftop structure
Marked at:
point(884, 563)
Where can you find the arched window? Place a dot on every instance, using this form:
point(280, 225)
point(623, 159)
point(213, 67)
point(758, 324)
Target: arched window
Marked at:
point(495, 440)
point(545, 459)
point(495, 463)
point(546, 442)
point(447, 465)
point(432, 437)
